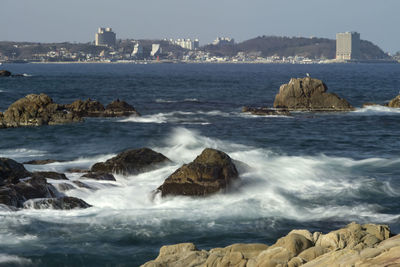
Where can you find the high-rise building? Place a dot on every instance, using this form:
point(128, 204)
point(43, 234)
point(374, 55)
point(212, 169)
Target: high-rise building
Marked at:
point(348, 46)
point(137, 50)
point(105, 37)
point(221, 41)
point(155, 50)
point(186, 43)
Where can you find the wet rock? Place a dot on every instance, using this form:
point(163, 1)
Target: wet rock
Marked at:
point(119, 108)
point(131, 162)
point(62, 203)
point(369, 104)
point(50, 175)
point(76, 170)
point(9, 197)
point(11, 171)
point(5, 73)
point(87, 108)
point(395, 102)
point(309, 94)
point(42, 161)
point(36, 110)
point(63, 187)
point(83, 185)
point(35, 187)
point(209, 173)
point(99, 176)
point(264, 111)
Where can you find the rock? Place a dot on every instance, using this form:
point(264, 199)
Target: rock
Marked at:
point(36, 110)
point(99, 176)
point(209, 173)
point(42, 161)
point(50, 175)
point(119, 108)
point(63, 187)
point(130, 162)
point(87, 108)
point(264, 111)
point(309, 94)
point(76, 170)
point(35, 187)
point(395, 102)
point(298, 242)
point(369, 104)
point(83, 185)
point(5, 73)
point(62, 203)
point(11, 171)
point(9, 197)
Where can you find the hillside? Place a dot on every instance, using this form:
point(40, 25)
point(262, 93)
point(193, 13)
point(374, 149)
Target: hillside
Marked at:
point(291, 46)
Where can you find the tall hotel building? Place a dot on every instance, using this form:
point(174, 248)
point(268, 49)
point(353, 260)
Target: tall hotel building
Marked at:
point(105, 37)
point(348, 46)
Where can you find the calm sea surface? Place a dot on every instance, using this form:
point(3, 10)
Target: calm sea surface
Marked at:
point(311, 170)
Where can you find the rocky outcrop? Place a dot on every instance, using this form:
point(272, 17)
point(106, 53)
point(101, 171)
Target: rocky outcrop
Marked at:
point(120, 108)
point(395, 102)
point(354, 245)
point(62, 203)
point(210, 172)
point(36, 110)
point(309, 94)
point(264, 111)
point(130, 162)
point(5, 73)
point(99, 176)
point(18, 186)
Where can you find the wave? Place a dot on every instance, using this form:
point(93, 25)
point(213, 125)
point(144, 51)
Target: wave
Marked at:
point(377, 110)
point(27, 75)
point(160, 100)
point(22, 153)
point(14, 260)
point(179, 117)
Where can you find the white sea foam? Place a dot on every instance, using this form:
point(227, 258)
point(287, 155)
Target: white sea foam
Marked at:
point(377, 110)
point(160, 100)
point(21, 153)
point(6, 259)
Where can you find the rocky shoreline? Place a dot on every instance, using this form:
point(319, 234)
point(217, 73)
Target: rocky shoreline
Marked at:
point(354, 245)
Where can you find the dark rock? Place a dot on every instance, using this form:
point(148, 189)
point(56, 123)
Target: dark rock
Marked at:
point(9, 197)
point(99, 176)
point(42, 161)
point(209, 173)
point(76, 170)
point(119, 108)
point(64, 187)
point(51, 175)
point(309, 94)
point(11, 171)
point(36, 187)
point(5, 73)
point(62, 203)
point(264, 111)
point(36, 110)
point(131, 162)
point(395, 102)
point(83, 185)
point(87, 108)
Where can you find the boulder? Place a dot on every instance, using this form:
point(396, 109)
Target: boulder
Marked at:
point(50, 175)
point(36, 110)
point(309, 94)
point(11, 171)
point(264, 111)
point(5, 73)
point(62, 203)
point(130, 162)
point(87, 108)
point(83, 185)
point(209, 173)
point(99, 176)
point(395, 102)
point(119, 108)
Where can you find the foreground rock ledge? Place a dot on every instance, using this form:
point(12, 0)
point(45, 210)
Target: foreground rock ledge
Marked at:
point(210, 172)
point(309, 94)
point(355, 245)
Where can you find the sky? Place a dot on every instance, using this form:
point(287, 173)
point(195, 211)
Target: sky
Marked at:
point(77, 20)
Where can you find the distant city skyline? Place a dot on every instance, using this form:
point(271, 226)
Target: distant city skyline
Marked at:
point(77, 20)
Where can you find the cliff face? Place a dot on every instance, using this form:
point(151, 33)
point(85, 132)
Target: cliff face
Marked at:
point(354, 245)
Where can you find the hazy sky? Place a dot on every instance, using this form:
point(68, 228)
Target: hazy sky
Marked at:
point(77, 20)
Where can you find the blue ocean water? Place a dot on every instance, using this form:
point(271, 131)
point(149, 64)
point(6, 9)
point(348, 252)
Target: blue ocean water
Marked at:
point(317, 171)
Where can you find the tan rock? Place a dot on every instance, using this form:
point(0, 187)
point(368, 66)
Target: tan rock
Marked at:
point(395, 102)
point(313, 253)
point(294, 243)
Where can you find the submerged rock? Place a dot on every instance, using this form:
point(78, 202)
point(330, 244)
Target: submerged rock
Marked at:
point(309, 94)
point(5, 73)
point(354, 245)
point(209, 173)
point(395, 102)
point(36, 110)
point(132, 161)
point(99, 176)
point(264, 111)
point(62, 203)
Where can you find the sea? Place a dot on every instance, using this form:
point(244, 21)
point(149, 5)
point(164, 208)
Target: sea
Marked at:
point(315, 171)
